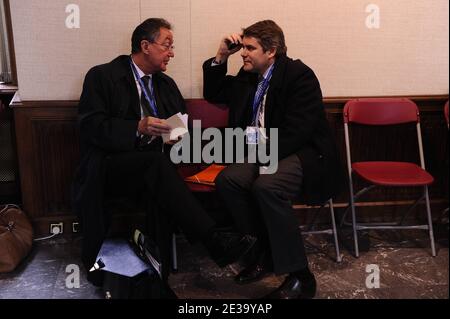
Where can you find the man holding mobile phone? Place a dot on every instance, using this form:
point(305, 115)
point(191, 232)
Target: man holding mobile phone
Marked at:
point(273, 91)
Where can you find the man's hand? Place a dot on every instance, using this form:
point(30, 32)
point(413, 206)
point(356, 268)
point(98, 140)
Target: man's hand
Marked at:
point(223, 53)
point(173, 142)
point(153, 126)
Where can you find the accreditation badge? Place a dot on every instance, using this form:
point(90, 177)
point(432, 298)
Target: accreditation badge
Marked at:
point(251, 134)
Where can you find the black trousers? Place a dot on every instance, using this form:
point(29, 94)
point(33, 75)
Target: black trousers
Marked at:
point(261, 205)
point(169, 202)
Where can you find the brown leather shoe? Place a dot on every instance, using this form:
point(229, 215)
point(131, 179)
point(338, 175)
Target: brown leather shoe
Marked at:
point(294, 288)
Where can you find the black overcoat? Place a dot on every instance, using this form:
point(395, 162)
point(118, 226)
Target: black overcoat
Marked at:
point(293, 105)
point(108, 116)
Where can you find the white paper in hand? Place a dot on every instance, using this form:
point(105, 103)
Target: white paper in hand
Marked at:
point(178, 123)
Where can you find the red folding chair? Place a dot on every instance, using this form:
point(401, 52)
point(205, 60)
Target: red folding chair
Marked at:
point(383, 112)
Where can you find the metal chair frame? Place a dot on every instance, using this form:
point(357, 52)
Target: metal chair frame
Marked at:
point(329, 231)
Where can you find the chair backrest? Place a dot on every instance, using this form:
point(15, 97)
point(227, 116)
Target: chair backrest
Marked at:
point(446, 112)
point(211, 115)
point(381, 111)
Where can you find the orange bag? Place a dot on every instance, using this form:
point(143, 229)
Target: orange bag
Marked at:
point(16, 237)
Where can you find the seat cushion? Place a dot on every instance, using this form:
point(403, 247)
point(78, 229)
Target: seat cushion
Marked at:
point(393, 173)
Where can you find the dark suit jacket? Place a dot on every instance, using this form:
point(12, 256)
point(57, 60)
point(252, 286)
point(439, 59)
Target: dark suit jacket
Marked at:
point(108, 114)
point(293, 105)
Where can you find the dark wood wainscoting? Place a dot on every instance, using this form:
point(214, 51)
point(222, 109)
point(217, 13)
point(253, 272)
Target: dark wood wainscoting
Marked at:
point(48, 153)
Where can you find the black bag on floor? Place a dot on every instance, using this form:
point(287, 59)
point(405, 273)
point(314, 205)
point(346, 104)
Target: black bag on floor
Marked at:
point(132, 269)
point(143, 286)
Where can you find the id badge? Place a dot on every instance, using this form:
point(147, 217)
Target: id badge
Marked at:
point(252, 135)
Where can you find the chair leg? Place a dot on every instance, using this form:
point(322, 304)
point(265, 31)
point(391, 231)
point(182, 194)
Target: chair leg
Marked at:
point(355, 197)
point(333, 222)
point(355, 234)
point(430, 222)
point(174, 252)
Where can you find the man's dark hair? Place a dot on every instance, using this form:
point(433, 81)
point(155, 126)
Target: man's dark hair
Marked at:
point(269, 35)
point(147, 30)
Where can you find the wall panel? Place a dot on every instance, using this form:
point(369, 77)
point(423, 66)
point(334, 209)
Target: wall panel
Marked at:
point(52, 59)
point(407, 55)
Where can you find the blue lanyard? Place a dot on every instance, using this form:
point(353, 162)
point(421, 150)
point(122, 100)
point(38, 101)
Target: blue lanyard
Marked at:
point(260, 94)
point(144, 90)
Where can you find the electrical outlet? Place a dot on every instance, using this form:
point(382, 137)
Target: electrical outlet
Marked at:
point(56, 228)
point(75, 227)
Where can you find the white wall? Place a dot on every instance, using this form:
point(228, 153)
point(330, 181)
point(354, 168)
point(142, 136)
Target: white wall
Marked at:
point(407, 55)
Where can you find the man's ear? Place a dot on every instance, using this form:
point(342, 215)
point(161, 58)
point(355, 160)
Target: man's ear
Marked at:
point(272, 52)
point(144, 45)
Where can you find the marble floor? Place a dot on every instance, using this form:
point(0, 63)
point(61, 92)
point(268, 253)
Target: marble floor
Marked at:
point(406, 267)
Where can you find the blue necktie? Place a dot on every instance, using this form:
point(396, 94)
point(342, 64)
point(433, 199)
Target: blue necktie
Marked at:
point(259, 92)
point(146, 108)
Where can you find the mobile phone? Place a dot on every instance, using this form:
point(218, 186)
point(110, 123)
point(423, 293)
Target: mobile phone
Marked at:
point(232, 45)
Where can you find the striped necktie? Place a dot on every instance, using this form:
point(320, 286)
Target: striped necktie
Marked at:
point(146, 108)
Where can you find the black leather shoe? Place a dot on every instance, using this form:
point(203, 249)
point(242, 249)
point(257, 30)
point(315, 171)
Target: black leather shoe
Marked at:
point(252, 273)
point(226, 248)
point(293, 288)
